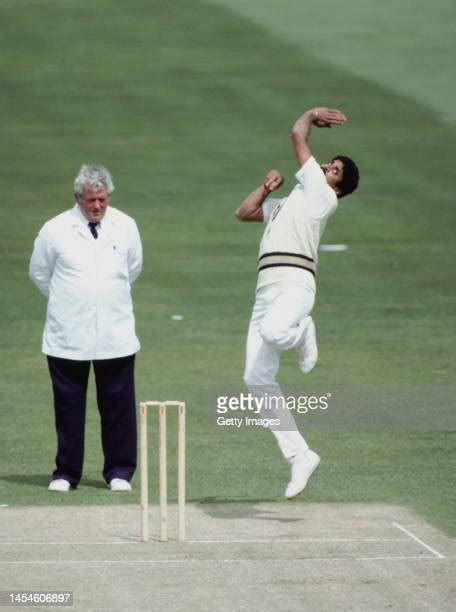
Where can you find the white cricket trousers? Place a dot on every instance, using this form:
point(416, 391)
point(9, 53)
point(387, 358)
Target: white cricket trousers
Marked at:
point(277, 324)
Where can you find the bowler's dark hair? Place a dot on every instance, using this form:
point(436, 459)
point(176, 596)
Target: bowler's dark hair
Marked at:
point(350, 178)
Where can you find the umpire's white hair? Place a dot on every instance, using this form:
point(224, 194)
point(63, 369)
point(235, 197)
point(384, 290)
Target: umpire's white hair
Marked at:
point(94, 177)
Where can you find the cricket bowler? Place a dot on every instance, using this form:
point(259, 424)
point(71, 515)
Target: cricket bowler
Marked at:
point(287, 269)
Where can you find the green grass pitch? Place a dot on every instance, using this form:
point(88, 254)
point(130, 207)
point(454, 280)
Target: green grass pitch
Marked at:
point(189, 104)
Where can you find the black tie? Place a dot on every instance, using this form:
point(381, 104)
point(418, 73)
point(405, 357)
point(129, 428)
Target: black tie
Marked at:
point(93, 229)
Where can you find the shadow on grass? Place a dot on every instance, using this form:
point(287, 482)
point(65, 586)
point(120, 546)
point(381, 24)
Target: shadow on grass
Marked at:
point(40, 480)
point(43, 480)
point(239, 508)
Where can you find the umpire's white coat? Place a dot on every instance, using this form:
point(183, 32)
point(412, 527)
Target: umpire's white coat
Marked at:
point(87, 283)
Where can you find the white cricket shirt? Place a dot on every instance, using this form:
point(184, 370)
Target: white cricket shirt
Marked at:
point(289, 247)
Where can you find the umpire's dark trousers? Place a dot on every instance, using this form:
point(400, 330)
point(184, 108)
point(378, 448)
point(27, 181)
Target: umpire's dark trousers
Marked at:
point(114, 379)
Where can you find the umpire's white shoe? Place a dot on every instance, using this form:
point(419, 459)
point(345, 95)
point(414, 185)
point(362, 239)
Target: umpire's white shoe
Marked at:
point(59, 484)
point(302, 468)
point(308, 350)
point(119, 484)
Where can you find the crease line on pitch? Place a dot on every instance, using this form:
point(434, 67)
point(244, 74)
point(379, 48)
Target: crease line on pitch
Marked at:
point(215, 561)
point(208, 541)
point(293, 540)
point(419, 541)
point(71, 543)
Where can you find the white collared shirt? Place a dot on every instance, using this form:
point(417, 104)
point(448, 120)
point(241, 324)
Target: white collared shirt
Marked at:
point(296, 223)
point(85, 221)
point(88, 285)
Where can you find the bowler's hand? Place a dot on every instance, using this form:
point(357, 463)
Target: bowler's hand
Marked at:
point(326, 117)
point(273, 181)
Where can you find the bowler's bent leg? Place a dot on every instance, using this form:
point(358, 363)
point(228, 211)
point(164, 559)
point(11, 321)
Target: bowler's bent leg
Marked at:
point(287, 318)
point(69, 385)
point(262, 365)
point(117, 406)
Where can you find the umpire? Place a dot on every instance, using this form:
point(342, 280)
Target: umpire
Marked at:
point(84, 261)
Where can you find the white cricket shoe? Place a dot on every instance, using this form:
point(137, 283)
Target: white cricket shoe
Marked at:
point(302, 468)
point(59, 484)
point(119, 484)
point(308, 350)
